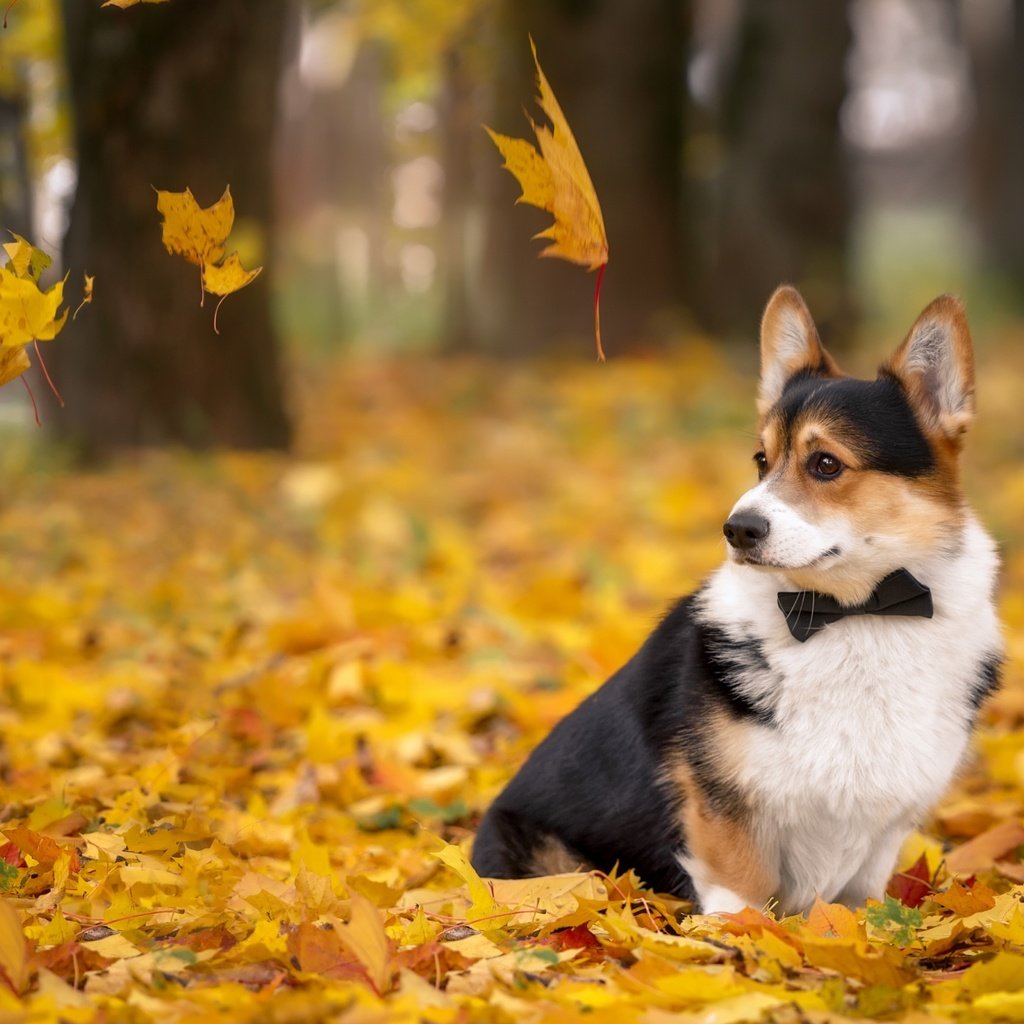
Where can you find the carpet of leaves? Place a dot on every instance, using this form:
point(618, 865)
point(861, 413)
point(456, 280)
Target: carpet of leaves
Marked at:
point(252, 707)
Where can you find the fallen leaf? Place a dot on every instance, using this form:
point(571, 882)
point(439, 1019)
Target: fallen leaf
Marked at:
point(911, 886)
point(13, 950)
point(833, 920)
point(365, 937)
point(981, 852)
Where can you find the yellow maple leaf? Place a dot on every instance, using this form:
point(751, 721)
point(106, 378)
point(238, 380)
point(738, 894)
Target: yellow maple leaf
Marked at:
point(13, 952)
point(191, 231)
point(130, 3)
point(24, 259)
point(555, 178)
point(365, 937)
point(13, 363)
point(199, 235)
point(227, 277)
point(26, 313)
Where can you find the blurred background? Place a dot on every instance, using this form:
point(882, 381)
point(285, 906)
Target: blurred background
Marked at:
point(870, 151)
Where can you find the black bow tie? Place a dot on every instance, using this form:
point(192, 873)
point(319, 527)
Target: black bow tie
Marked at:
point(898, 594)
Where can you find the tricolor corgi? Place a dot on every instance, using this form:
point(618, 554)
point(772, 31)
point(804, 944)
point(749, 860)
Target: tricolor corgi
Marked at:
point(782, 730)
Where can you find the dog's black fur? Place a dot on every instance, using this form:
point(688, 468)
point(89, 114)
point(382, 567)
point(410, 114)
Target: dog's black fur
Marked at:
point(597, 783)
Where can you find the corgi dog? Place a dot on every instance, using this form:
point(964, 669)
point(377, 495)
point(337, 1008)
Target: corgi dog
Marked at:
point(783, 729)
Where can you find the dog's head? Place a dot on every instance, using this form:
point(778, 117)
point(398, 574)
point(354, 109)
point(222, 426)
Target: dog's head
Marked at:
point(856, 477)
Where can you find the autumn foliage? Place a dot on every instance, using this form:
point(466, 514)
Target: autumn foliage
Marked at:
point(254, 707)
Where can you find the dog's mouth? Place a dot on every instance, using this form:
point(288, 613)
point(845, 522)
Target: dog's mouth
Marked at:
point(751, 558)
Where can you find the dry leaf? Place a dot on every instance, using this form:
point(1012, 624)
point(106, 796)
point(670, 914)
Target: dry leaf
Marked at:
point(981, 852)
point(556, 179)
point(13, 951)
point(193, 232)
point(199, 235)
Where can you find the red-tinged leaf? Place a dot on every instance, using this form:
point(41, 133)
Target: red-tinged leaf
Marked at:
point(752, 922)
point(41, 848)
point(70, 960)
point(911, 887)
point(321, 951)
point(11, 854)
point(205, 938)
point(577, 937)
point(432, 960)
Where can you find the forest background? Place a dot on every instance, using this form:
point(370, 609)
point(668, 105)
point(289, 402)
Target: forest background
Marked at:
point(282, 606)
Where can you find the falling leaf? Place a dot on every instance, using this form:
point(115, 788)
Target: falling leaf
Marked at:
point(130, 3)
point(555, 178)
point(193, 232)
point(199, 235)
point(86, 294)
point(13, 363)
point(226, 278)
point(26, 313)
point(24, 259)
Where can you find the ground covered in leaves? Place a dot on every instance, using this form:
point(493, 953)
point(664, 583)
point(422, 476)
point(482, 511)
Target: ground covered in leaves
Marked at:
point(253, 706)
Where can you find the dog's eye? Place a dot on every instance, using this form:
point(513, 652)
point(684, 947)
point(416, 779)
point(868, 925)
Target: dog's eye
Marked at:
point(762, 464)
point(824, 466)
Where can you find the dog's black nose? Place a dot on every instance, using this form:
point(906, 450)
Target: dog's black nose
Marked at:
point(744, 529)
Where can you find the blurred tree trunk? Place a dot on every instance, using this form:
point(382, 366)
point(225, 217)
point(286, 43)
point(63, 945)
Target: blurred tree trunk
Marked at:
point(459, 128)
point(15, 185)
point(616, 67)
point(784, 206)
point(169, 96)
point(996, 47)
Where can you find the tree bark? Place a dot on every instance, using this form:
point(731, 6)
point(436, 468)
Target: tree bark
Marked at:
point(784, 206)
point(15, 182)
point(997, 147)
point(616, 68)
point(169, 96)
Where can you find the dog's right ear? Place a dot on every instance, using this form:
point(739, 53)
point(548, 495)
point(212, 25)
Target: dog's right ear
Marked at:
point(789, 344)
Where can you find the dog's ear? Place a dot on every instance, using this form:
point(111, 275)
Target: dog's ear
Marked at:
point(936, 365)
point(789, 344)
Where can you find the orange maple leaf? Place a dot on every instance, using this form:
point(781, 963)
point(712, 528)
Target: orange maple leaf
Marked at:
point(555, 178)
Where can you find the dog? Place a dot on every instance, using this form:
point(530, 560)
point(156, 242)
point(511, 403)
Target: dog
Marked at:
point(783, 729)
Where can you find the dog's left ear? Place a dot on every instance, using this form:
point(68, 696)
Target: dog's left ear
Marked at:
point(936, 365)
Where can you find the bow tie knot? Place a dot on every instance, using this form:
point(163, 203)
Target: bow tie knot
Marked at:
point(899, 593)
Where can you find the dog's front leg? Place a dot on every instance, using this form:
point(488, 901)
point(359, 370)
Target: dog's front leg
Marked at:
point(731, 867)
point(869, 880)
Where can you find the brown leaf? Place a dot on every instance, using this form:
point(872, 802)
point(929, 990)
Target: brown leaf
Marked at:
point(965, 901)
point(981, 852)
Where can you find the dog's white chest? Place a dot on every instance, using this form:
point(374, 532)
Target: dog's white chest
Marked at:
point(869, 719)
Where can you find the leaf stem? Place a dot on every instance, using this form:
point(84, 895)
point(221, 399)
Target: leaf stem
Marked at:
point(46, 374)
point(35, 408)
point(597, 312)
